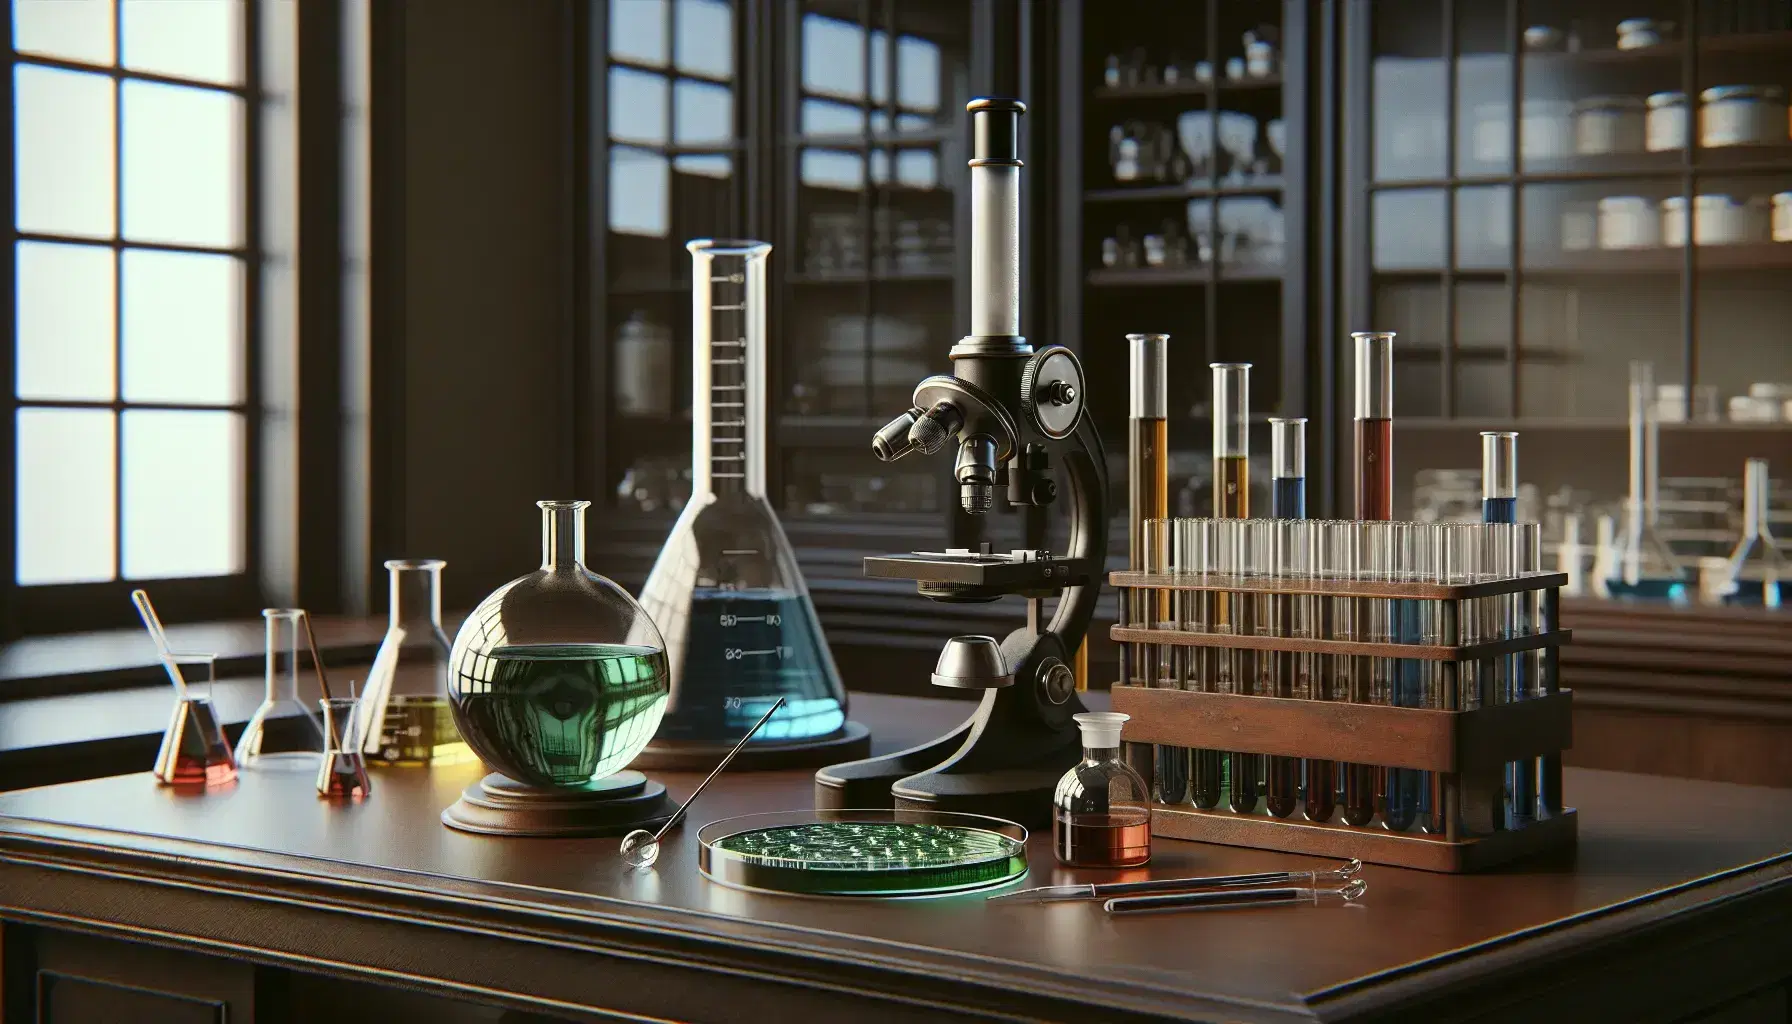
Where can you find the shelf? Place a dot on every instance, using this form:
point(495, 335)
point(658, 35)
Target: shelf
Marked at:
point(1148, 277)
point(1570, 424)
point(1739, 44)
point(1190, 88)
point(1160, 193)
point(1533, 354)
point(859, 277)
point(1664, 168)
point(1618, 262)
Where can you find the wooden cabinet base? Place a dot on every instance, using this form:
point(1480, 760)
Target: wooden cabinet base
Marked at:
point(1400, 849)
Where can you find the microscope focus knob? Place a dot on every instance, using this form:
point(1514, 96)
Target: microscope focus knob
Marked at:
point(1051, 391)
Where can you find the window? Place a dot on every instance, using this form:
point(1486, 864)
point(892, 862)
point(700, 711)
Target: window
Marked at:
point(132, 294)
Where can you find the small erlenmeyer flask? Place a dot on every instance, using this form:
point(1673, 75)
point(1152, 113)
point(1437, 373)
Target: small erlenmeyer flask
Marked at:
point(194, 752)
point(1646, 567)
point(282, 711)
point(342, 773)
point(726, 590)
point(404, 713)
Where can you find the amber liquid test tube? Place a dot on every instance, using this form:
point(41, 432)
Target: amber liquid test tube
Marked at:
point(1232, 500)
point(1374, 430)
point(1148, 497)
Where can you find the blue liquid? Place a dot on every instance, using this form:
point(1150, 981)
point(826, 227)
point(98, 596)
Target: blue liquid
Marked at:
point(743, 650)
point(1288, 497)
point(1521, 777)
point(1670, 590)
point(1499, 510)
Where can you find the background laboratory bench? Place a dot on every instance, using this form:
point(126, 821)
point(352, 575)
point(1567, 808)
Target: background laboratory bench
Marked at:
point(121, 900)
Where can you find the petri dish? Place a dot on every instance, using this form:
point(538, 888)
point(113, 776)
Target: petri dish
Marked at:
point(866, 852)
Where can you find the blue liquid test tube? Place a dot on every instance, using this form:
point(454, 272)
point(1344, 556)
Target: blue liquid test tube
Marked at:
point(1499, 504)
point(1288, 500)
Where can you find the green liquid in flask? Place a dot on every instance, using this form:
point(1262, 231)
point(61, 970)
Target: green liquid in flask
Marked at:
point(562, 714)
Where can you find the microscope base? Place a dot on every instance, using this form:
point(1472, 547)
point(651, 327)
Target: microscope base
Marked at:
point(1002, 762)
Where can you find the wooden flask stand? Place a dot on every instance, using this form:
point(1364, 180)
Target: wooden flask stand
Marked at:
point(1466, 749)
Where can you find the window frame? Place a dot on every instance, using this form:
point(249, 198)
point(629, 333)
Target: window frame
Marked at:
point(71, 607)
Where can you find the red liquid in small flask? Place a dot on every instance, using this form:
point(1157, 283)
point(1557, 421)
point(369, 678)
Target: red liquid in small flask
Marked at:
point(1101, 813)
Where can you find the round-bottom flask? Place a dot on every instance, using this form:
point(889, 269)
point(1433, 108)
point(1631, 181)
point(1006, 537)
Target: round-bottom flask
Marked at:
point(558, 679)
point(1101, 811)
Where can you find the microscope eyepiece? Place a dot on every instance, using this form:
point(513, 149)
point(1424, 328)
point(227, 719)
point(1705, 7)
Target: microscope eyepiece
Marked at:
point(891, 442)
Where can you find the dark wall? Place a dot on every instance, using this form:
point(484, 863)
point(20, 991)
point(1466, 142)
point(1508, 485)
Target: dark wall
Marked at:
point(474, 359)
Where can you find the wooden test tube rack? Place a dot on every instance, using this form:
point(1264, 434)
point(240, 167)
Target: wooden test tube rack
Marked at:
point(1468, 749)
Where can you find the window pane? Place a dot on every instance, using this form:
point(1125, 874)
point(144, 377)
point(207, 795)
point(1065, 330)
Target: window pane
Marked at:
point(64, 158)
point(831, 169)
point(65, 342)
point(183, 327)
point(704, 165)
point(182, 165)
point(65, 496)
point(833, 57)
point(201, 39)
point(1408, 229)
point(824, 117)
point(72, 29)
point(706, 37)
point(704, 112)
point(640, 190)
point(638, 30)
point(637, 106)
point(918, 168)
point(183, 494)
point(917, 73)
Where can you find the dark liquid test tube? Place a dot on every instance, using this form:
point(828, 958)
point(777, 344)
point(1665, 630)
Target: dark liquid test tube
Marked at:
point(1374, 501)
point(1287, 500)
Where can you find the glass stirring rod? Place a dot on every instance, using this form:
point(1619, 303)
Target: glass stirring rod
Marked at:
point(1052, 893)
point(641, 848)
point(1236, 899)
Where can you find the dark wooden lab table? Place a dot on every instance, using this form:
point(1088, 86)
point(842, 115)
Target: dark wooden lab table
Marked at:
point(248, 903)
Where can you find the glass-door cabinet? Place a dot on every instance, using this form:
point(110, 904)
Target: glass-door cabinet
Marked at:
point(1538, 195)
point(835, 130)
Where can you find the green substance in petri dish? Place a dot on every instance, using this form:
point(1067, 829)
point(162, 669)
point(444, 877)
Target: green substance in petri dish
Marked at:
point(840, 858)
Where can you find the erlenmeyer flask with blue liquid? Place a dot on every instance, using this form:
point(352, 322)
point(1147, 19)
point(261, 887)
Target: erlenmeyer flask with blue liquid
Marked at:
point(726, 590)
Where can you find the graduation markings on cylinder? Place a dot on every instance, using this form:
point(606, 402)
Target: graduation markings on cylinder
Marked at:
point(729, 620)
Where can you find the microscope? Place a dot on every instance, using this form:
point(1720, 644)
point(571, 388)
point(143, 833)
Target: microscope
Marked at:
point(1014, 416)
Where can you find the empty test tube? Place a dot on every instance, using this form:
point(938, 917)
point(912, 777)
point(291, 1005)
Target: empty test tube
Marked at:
point(1170, 764)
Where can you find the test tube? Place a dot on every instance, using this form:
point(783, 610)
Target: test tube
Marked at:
point(1170, 764)
point(1244, 770)
point(1281, 779)
point(1374, 427)
point(1232, 500)
point(1499, 504)
point(1148, 478)
point(1320, 778)
point(1288, 503)
point(1354, 676)
point(1206, 767)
